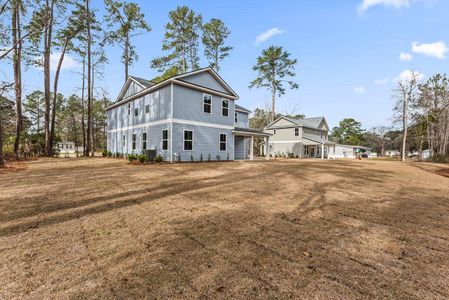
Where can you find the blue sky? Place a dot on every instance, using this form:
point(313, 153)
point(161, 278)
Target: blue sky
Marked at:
point(348, 51)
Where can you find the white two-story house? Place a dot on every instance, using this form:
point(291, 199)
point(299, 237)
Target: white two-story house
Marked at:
point(184, 117)
point(305, 138)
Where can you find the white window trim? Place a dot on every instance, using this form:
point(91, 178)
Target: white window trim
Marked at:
point(124, 140)
point(222, 100)
point(162, 139)
point(296, 130)
point(219, 141)
point(129, 108)
point(206, 94)
point(147, 105)
point(236, 117)
point(193, 139)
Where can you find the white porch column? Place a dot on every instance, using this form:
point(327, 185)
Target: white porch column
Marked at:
point(328, 152)
point(322, 151)
point(267, 147)
point(334, 152)
point(251, 148)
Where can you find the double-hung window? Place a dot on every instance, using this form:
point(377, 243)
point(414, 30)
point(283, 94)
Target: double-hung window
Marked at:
point(136, 111)
point(165, 139)
point(236, 117)
point(188, 140)
point(134, 141)
point(144, 141)
point(223, 144)
point(225, 108)
point(207, 103)
point(147, 108)
point(129, 108)
point(124, 140)
point(296, 131)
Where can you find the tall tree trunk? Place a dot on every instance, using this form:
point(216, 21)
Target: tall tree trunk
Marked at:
point(89, 81)
point(83, 123)
point(126, 57)
point(92, 110)
point(404, 126)
point(273, 104)
point(55, 94)
point(2, 161)
point(17, 60)
point(47, 93)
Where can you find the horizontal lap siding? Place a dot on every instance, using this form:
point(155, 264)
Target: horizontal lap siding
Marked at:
point(242, 120)
point(206, 141)
point(284, 148)
point(206, 80)
point(188, 105)
point(241, 147)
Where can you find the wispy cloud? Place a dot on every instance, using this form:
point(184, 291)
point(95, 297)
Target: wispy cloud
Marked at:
point(406, 75)
point(366, 4)
point(359, 90)
point(67, 63)
point(381, 81)
point(405, 56)
point(267, 35)
point(437, 49)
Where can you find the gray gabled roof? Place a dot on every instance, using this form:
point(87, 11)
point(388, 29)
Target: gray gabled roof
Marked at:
point(241, 108)
point(306, 122)
point(143, 82)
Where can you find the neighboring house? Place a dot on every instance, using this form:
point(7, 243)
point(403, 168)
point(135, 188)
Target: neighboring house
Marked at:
point(303, 137)
point(182, 117)
point(349, 151)
point(65, 147)
point(392, 153)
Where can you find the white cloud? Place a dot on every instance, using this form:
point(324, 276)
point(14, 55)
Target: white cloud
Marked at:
point(406, 75)
point(405, 56)
point(366, 4)
point(359, 90)
point(381, 81)
point(267, 35)
point(67, 63)
point(437, 49)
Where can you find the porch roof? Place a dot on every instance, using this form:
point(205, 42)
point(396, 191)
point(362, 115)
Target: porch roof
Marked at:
point(312, 140)
point(241, 131)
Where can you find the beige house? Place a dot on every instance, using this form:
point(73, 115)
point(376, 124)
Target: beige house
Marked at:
point(304, 138)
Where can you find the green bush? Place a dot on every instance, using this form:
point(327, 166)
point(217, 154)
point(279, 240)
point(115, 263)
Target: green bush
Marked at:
point(191, 157)
point(201, 157)
point(109, 153)
point(158, 158)
point(142, 158)
point(218, 157)
point(104, 153)
point(208, 157)
point(132, 157)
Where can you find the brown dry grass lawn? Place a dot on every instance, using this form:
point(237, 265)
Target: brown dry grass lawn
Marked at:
point(100, 228)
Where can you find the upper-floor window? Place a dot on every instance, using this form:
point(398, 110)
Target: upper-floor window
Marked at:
point(236, 117)
point(274, 131)
point(136, 111)
point(147, 108)
point(223, 143)
point(296, 131)
point(129, 108)
point(188, 140)
point(165, 139)
point(225, 108)
point(207, 103)
point(124, 140)
point(144, 141)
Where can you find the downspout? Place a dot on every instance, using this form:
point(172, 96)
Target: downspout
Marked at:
point(171, 122)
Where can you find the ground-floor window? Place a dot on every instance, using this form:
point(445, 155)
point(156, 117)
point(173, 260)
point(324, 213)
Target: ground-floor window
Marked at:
point(188, 140)
point(144, 141)
point(134, 141)
point(306, 150)
point(223, 143)
point(165, 139)
point(124, 140)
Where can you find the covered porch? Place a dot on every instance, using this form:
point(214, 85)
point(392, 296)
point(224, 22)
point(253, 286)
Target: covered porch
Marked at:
point(314, 147)
point(244, 142)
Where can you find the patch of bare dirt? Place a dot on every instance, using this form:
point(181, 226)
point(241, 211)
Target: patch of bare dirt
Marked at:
point(102, 228)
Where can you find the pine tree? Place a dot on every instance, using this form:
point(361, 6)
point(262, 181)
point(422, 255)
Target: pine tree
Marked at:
point(214, 38)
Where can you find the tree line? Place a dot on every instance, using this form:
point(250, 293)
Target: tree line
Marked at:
point(32, 30)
